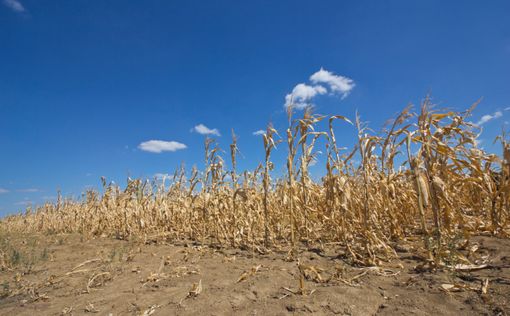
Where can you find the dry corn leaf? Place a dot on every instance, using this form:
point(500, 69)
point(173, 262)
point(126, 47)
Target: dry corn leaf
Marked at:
point(485, 286)
point(470, 267)
point(451, 287)
point(196, 289)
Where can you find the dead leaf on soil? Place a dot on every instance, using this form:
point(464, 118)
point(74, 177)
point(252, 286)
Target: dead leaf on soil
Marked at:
point(196, 289)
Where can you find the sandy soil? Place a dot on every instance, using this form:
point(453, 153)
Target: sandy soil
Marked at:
point(66, 275)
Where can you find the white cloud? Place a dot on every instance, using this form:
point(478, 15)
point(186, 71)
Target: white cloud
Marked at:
point(158, 146)
point(24, 203)
point(259, 132)
point(29, 190)
point(488, 117)
point(162, 176)
point(204, 130)
point(337, 84)
point(14, 5)
point(2, 191)
point(302, 94)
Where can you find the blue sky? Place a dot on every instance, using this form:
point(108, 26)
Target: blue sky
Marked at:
point(85, 85)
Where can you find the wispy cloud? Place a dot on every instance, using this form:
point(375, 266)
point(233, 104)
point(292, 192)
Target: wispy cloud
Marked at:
point(29, 190)
point(3, 191)
point(204, 130)
point(24, 203)
point(322, 81)
point(162, 176)
point(14, 5)
point(489, 117)
point(259, 132)
point(159, 146)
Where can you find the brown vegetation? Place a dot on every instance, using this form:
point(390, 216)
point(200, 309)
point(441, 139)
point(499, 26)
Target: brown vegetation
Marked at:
point(443, 189)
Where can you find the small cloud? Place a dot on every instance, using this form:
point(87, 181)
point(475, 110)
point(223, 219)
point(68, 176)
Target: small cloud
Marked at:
point(488, 117)
point(302, 94)
point(161, 176)
point(3, 191)
point(159, 146)
point(204, 130)
point(322, 81)
point(14, 5)
point(337, 84)
point(88, 174)
point(29, 190)
point(24, 203)
point(259, 132)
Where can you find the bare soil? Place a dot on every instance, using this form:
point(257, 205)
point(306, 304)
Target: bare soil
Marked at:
point(69, 275)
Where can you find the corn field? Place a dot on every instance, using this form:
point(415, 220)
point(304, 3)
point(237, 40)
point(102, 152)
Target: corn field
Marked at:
point(422, 177)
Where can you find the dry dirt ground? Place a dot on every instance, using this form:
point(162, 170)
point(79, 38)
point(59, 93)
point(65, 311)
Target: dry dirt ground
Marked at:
point(67, 275)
